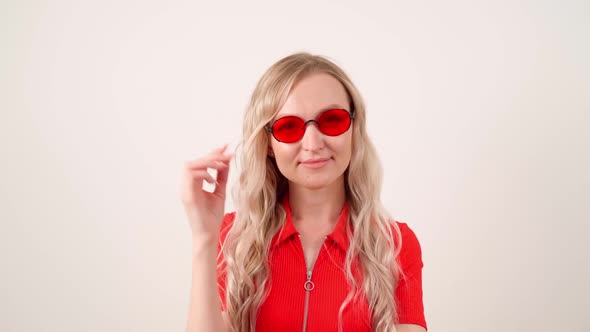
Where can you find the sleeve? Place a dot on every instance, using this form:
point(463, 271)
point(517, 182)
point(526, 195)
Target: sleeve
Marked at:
point(408, 293)
point(226, 225)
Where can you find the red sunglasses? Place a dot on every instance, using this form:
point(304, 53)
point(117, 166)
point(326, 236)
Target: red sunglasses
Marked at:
point(290, 128)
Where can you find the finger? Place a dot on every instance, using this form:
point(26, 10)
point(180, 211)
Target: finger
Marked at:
point(223, 155)
point(220, 149)
point(214, 156)
point(203, 163)
point(201, 175)
point(222, 176)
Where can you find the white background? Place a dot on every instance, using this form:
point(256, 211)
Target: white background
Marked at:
point(479, 109)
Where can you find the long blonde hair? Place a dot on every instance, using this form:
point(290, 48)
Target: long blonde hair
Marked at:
point(259, 214)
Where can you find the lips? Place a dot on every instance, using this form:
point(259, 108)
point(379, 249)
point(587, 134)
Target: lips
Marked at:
point(314, 161)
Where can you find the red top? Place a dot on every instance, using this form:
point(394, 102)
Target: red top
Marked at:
point(284, 309)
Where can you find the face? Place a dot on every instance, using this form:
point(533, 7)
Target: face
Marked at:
point(308, 98)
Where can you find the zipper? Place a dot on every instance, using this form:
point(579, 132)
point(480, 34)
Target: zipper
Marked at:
point(308, 285)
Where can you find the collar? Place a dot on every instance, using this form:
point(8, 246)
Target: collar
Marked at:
point(288, 230)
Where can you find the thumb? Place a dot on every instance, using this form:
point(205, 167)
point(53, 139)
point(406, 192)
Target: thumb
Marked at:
point(222, 177)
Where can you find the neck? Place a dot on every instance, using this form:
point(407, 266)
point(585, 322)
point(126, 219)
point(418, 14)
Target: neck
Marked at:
point(316, 209)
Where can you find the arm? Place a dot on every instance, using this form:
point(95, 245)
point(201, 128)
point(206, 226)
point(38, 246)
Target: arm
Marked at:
point(204, 312)
point(408, 294)
point(409, 328)
point(204, 210)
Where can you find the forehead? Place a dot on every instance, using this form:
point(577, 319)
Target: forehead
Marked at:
point(313, 94)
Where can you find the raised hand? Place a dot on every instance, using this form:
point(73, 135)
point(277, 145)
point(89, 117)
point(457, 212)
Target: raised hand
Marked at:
point(204, 209)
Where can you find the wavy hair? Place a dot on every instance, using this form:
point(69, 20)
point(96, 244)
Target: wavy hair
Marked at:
point(259, 214)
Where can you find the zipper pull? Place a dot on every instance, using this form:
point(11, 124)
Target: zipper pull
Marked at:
point(309, 285)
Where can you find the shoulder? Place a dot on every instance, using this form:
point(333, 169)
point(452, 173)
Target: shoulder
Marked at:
point(408, 236)
point(226, 225)
point(227, 222)
point(410, 250)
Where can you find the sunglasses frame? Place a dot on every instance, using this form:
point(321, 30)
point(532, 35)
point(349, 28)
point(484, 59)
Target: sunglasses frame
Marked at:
point(269, 127)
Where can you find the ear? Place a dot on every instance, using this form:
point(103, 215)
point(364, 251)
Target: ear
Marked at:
point(270, 153)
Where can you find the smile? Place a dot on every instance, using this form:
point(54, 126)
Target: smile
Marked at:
point(316, 163)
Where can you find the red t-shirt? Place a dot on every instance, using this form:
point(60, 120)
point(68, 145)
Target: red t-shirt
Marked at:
point(284, 308)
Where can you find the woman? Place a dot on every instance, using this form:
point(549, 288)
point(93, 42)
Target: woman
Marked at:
point(310, 248)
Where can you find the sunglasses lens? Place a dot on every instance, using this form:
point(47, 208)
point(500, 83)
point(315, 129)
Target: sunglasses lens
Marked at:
point(334, 122)
point(288, 129)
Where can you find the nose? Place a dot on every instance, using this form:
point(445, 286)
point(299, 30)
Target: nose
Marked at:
point(312, 139)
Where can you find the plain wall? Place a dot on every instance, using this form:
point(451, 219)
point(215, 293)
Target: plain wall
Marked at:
point(479, 109)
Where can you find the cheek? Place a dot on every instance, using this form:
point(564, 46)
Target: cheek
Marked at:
point(285, 155)
point(343, 148)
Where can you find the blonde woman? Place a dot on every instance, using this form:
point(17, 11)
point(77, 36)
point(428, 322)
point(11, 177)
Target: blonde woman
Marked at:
point(309, 247)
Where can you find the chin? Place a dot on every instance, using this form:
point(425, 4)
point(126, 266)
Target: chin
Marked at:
point(314, 186)
point(316, 182)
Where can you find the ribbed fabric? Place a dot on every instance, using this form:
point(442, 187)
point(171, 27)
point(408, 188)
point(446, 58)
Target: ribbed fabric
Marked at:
point(283, 310)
